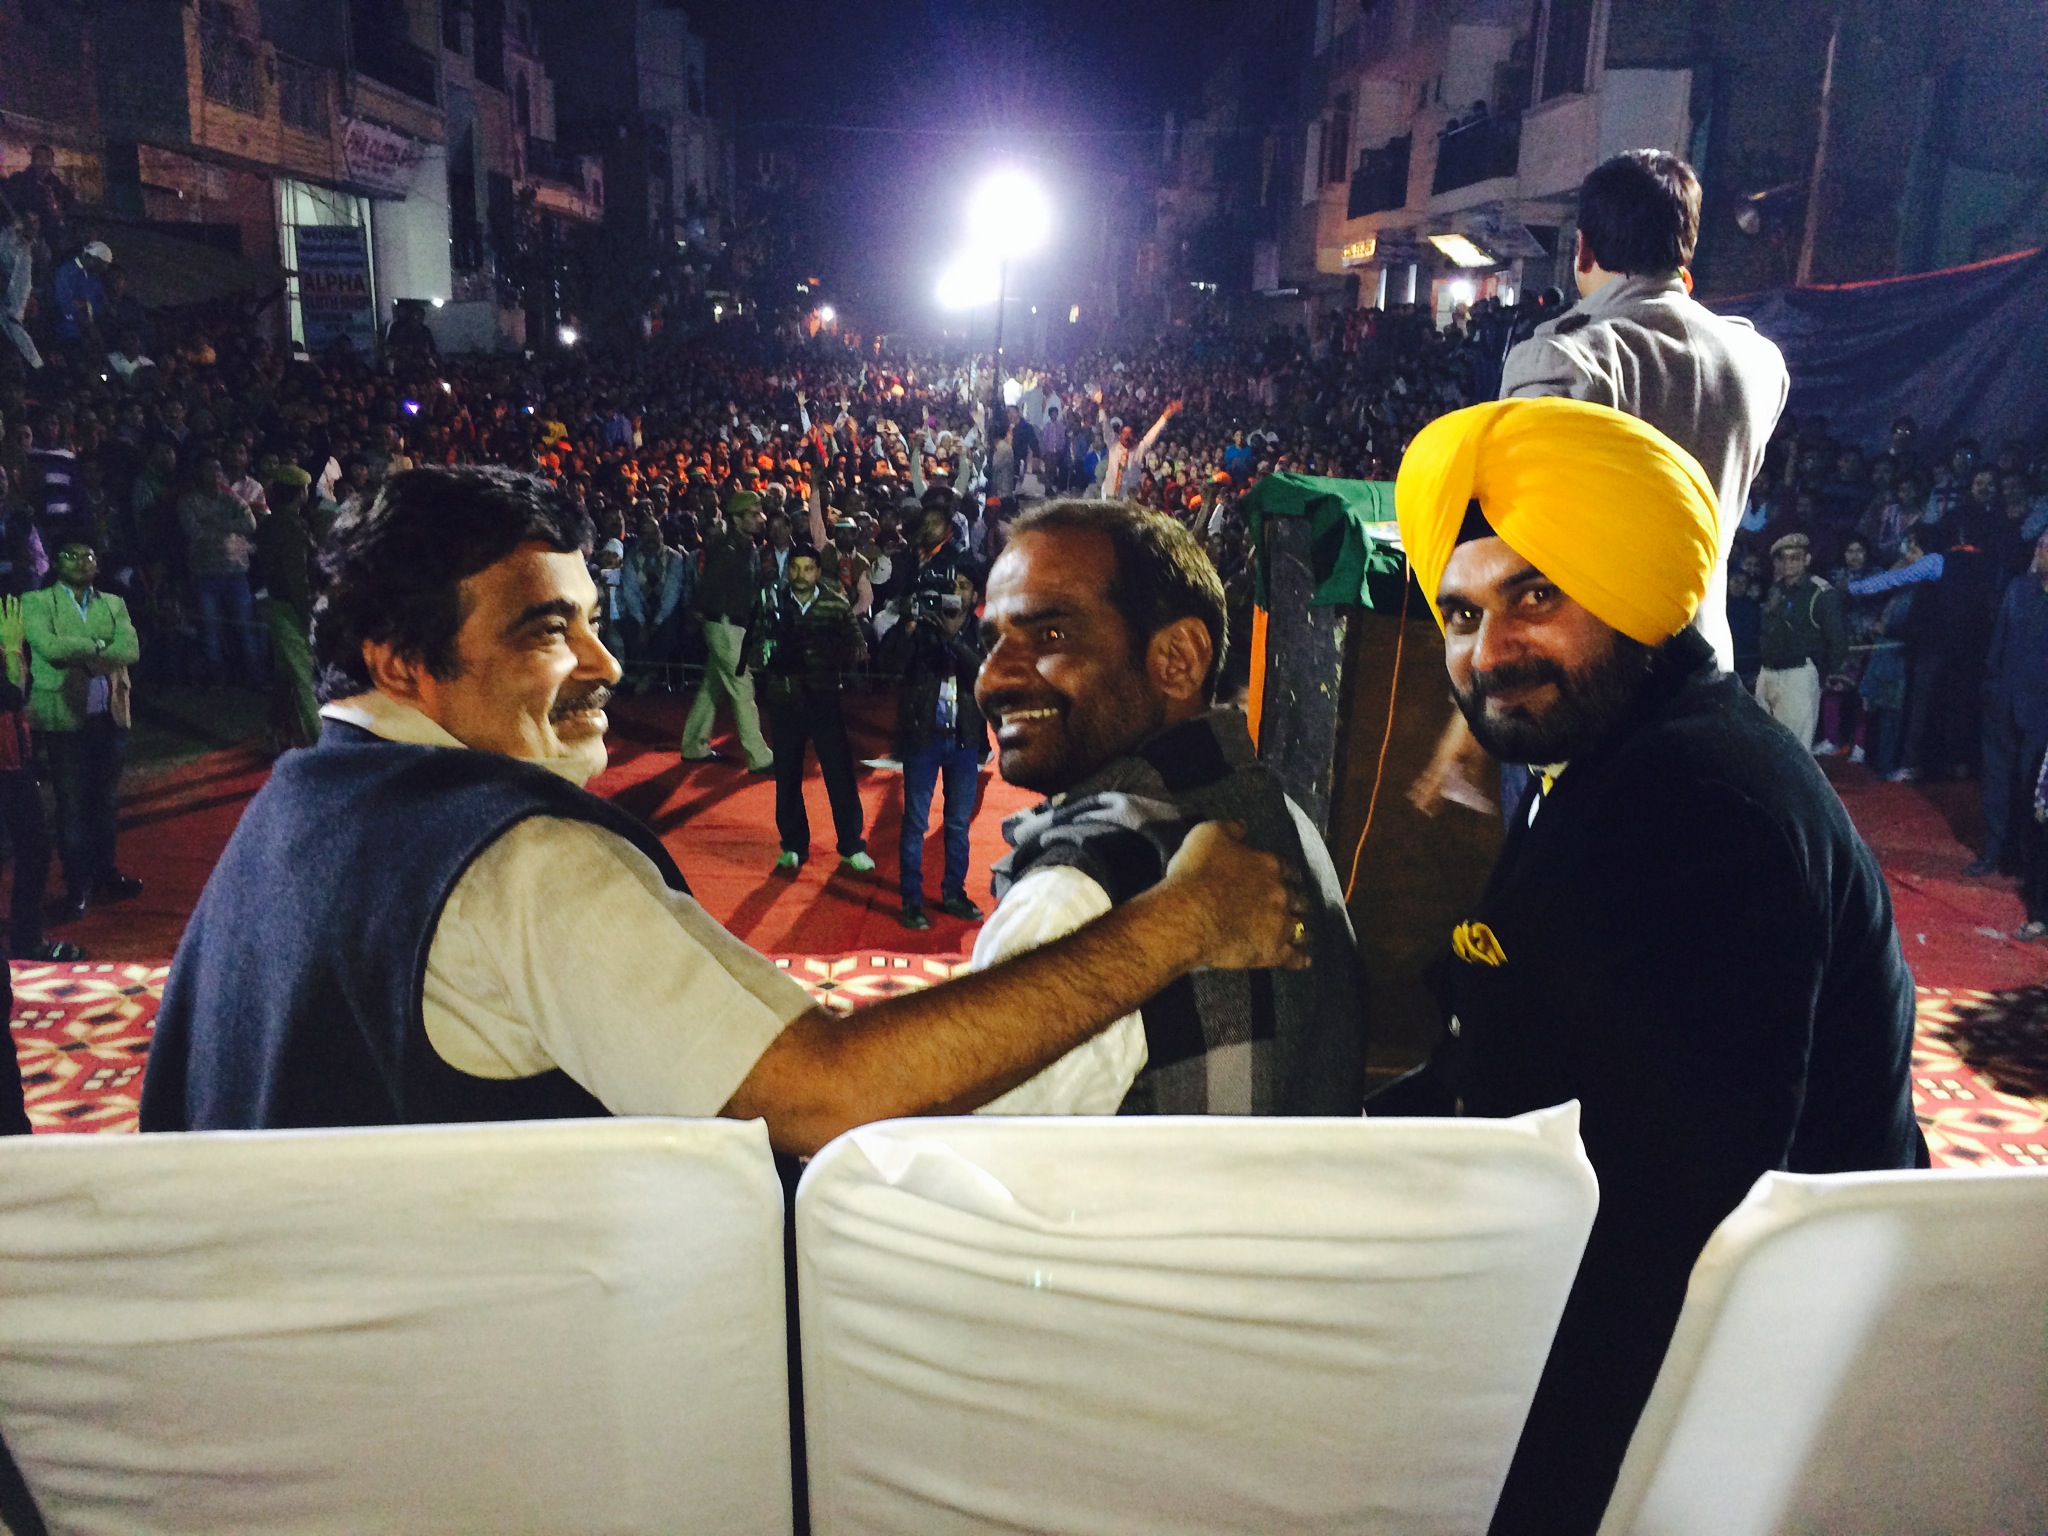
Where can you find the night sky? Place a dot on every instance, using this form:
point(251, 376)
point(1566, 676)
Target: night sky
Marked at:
point(892, 108)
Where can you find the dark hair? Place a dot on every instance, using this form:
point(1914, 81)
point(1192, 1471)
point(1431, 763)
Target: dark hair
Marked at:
point(1640, 212)
point(394, 569)
point(1162, 572)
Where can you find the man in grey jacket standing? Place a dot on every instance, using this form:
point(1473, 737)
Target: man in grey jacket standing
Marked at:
point(1639, 342)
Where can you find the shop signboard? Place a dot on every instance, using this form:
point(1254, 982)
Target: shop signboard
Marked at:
point(334, 287)
point(381, 158)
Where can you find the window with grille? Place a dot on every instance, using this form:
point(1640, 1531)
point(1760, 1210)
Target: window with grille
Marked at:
point(302, 95)
point(1337, 141)
point(228, 69)
point(1567, 46)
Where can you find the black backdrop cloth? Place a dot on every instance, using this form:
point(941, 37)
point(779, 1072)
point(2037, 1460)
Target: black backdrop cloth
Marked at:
point(1959, 351)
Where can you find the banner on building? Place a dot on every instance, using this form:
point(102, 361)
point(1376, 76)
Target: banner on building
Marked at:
point(380, 158)
point(335, 301)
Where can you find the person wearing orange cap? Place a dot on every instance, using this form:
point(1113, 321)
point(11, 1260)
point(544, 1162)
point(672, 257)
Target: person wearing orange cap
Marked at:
point(1683, 931)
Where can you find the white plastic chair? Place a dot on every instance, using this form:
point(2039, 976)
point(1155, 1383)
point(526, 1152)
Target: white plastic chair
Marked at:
point(1180, 1325)
point(1860, 1354)
point(574, 1326)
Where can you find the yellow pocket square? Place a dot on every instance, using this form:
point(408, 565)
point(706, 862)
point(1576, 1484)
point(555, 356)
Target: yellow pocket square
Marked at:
point(1475, 944)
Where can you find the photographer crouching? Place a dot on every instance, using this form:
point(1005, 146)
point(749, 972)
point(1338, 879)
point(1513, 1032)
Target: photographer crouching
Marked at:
point(935, 654)
point(803, 642)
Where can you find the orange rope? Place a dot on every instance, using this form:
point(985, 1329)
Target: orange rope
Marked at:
point(1386, 741)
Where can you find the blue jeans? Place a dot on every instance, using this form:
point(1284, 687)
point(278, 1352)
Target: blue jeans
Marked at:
point(225, 600)
point(961, 766)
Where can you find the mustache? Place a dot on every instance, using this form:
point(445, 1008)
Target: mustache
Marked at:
point(996, 705)
point(596, 696)
point(1517, 674)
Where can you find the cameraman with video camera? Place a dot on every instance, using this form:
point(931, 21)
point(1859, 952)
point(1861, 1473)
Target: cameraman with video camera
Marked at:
point(935, 655)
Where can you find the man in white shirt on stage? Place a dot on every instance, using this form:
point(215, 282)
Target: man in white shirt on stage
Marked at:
point(426, 918)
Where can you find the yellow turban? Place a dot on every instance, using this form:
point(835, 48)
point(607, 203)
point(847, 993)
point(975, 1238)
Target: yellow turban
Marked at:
point(1619, 516)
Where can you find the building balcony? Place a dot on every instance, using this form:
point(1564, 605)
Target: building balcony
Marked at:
point(244, 99)
point(1482, 151)
point(546, 160)
point(564, 184)
point(398, 64)
point(1380, 184)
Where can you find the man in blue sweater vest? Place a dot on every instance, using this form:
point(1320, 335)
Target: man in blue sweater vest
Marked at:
point(426, 917)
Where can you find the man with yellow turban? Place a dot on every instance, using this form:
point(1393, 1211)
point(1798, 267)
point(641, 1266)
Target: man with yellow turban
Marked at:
point(1683, 931)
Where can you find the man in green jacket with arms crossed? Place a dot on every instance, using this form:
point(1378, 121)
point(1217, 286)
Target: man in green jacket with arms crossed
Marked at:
point(81, 644)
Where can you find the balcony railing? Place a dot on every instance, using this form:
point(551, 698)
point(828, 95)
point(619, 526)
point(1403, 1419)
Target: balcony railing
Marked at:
point(1380, 183)
point(547, 160)
point(1478, 152)
point(398, 64)
point(302, 95)
point(229, 72)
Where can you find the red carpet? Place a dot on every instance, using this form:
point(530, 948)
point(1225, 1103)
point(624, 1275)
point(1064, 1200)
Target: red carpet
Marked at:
point(716, 818)
point(1980, 1066)
point(719, 822)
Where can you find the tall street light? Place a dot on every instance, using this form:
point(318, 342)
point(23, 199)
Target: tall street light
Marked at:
point(1008, 218)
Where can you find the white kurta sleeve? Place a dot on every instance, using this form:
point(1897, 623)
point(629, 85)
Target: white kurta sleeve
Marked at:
point(1094, 1076)
point(563, 947)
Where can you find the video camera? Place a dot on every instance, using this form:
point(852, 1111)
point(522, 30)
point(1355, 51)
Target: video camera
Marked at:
point(933, 605)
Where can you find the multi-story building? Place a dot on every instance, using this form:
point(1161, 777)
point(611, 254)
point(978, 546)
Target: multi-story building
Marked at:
point(1451, 137)
point(632, 85)
point(1835, 142)
point(512, 189)
point(267, 119)
point(1184, 228)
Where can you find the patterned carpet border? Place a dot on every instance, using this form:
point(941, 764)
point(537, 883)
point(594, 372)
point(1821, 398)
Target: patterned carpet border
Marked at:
point(1980, 1059)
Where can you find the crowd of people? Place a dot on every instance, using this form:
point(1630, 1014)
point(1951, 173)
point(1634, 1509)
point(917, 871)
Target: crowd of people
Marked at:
point(1864, 587)
point(1890, 602)
point(203, 464)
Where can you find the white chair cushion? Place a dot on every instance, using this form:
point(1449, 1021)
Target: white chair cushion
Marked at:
point(1861, 1354)
point(560, 1327)
point(1180, 1325)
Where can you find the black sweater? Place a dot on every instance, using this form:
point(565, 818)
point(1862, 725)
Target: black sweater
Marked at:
point(1693, 942)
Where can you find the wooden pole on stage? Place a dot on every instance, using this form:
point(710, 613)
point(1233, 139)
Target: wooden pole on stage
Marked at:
point(1301, 694)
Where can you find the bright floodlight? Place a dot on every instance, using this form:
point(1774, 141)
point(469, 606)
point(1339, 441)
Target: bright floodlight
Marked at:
point(568, 335)
point(969, 283)
point(828, 314)
point(1009, 216)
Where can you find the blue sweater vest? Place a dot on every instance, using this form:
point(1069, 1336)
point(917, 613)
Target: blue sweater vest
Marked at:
point(295, 996)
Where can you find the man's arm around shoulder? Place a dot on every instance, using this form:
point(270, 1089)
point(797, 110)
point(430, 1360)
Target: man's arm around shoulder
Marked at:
point(950, 1048)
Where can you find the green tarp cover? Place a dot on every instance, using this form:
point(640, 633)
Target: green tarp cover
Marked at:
point(1351, 536)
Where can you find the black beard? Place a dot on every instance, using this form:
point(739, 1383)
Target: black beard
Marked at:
point(1091, 738)
point(1592, 705)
